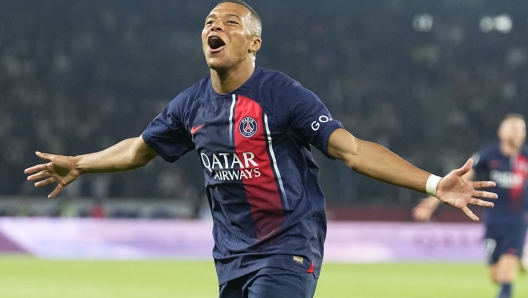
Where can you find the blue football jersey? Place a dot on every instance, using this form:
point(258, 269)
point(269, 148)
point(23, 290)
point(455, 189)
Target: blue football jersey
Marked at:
point(260, 177)
point(511, 176)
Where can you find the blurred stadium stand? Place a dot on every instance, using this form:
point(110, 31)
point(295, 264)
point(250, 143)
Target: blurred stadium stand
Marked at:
point(428, 79)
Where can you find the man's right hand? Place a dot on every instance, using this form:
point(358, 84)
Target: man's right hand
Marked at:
point(60, 169)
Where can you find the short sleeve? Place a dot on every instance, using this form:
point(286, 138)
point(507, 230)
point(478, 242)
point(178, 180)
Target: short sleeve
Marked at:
point(309, 118)
point(166, 134)
point(479, 161)
point(476, 159)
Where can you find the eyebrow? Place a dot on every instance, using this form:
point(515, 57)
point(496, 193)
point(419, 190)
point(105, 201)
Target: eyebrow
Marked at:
point(214, 15)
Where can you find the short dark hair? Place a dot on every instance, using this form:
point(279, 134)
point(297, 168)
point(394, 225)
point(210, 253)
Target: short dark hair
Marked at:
point(254, 14)
point(513, 115)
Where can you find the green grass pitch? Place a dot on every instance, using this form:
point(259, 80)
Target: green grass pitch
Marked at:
point(25, 277)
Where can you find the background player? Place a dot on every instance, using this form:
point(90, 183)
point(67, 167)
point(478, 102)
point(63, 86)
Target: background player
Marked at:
point(252, 129)
point(506, 163)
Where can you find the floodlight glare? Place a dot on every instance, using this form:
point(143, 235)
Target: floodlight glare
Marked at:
point(423, 22)
point(503, 23)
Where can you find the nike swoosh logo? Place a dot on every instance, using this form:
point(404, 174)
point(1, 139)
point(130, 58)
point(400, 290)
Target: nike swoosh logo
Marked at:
point(195, 129)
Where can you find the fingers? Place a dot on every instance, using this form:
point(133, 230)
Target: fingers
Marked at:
point(39, 175)
point(481, 203)
point(55, 192)
point(485, 194)
point(45, 182)
point(465, 168)
point(483, 184)
point(46, 156)
point(470, 214)
point(477, 202)
point(43, 171)
point(35, 169)
point(40, 167)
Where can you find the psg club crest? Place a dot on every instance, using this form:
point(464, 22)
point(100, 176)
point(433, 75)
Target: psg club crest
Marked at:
point(248, 127)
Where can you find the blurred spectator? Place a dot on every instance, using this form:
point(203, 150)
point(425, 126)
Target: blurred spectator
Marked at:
point(98, 210)
point(23, 209)
point(67, 209)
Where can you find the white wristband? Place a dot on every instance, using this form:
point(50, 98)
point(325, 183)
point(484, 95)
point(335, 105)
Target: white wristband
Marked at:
point(432, 184)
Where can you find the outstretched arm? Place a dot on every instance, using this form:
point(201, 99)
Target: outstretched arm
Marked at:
point(376, 161)
point(425, 209)
point(126, 155)
point(428, 205)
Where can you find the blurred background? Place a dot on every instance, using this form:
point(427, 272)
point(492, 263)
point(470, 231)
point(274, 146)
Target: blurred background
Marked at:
point(430, 80)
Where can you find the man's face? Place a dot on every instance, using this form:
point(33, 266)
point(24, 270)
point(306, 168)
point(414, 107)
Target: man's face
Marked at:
point(227, 36)
point(513, 132)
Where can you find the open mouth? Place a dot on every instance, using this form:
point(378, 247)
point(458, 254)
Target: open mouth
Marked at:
point(216, 44)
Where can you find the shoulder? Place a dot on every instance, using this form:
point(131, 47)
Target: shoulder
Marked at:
point(485, 153)
point(280, 82)
point(201, 87)
point(189, 95)
point(278, 77)
point(490, 149)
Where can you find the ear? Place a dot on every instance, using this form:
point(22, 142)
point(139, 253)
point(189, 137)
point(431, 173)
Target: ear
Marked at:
point(255, 45)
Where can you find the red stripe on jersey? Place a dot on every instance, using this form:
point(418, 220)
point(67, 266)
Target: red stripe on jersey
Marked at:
point(259, 181)
point(520, 169)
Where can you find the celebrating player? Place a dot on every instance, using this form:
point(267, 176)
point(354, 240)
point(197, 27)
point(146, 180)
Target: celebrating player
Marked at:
point(252, 129)
point(506, 163)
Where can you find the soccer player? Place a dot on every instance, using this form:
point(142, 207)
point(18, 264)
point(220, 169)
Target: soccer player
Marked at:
point(506, 163)
point(253, 129)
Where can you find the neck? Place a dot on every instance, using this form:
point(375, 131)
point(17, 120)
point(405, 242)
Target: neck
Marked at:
point(509, 150)
point(228, 80)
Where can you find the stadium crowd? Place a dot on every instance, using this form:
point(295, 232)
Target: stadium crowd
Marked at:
point(78, 76)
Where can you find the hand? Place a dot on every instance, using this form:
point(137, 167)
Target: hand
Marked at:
point(60, 169)
point(426, 208)
point(454, 190)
